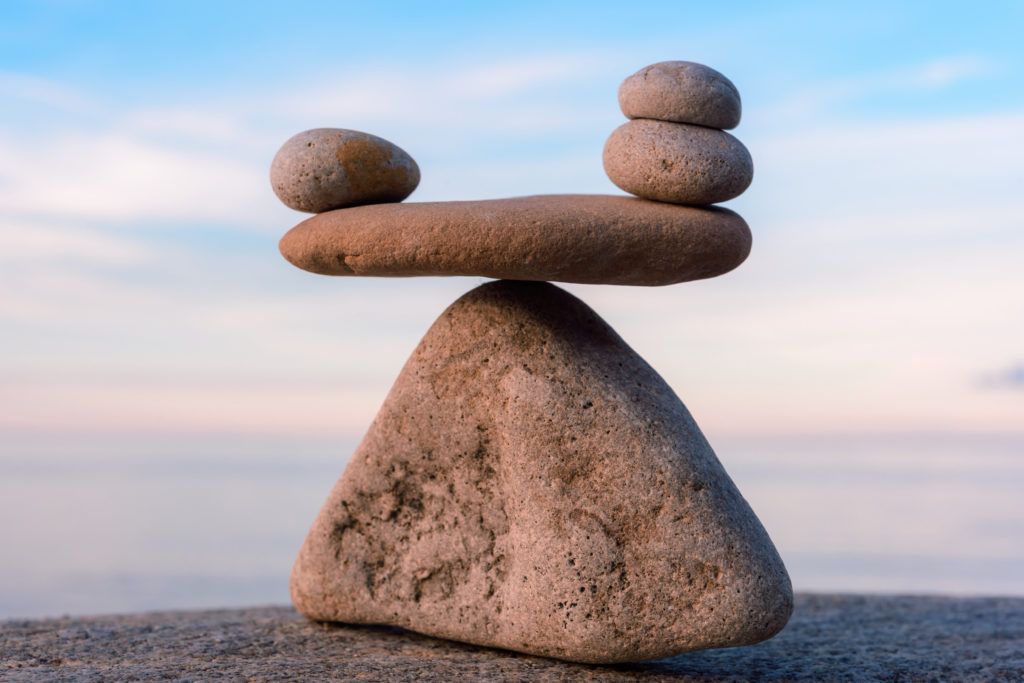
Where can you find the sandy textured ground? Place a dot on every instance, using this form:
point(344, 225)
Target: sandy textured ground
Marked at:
point(830, 638)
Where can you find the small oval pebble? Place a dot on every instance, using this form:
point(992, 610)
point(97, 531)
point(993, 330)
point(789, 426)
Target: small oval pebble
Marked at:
point(683, 92)
point(676, 162)
point(330, 168)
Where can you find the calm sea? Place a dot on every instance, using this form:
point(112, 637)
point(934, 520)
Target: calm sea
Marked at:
point(100, 526)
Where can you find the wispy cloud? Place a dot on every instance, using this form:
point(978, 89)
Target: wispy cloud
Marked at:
point(40, 244)
point(206, 161)
point(108, 175)
point(1011, 377)
point(508, 78)
point(885, 257)
point(943, 73)
point(455, 101)
point(965, 167)
point(937, 74)
point(34, 90)
point(188, 122)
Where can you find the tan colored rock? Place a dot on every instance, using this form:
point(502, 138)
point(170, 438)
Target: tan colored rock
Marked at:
point(676, 162)
point(684, 92)
point(569, 238)
point(532, 484)
point(330, 168)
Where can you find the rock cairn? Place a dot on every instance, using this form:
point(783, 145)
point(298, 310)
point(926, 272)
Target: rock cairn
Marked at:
point(530, 482)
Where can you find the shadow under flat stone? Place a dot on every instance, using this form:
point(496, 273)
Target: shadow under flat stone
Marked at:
point(830, 637)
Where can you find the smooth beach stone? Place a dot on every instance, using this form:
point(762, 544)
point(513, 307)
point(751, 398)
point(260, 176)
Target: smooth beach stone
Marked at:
point(677, 162)
point(684, 92)
point(330, 168)
point(531, 483)
point(591, 239)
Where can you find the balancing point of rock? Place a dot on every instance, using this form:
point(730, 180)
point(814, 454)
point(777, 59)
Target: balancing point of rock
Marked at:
point(532, 484)
point(677, 162)
point(683, 92)
point(330, 168)
point(591, 239)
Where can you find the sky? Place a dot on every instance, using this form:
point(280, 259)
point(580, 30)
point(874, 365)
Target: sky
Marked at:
point(869, 349)
point(143, 292)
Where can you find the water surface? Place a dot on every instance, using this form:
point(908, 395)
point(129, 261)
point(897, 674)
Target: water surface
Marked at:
point(100, 526)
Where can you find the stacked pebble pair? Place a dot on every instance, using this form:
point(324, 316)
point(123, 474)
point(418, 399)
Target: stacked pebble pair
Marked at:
point(675, 148)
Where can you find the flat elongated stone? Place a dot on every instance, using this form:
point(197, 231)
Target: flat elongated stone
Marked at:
point(598, 239)
point(684, 92)
point(677, 162)
point(532, 484)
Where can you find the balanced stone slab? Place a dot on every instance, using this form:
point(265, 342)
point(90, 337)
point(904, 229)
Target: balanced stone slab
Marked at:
point(677, 162)
point(532, 484)
point(684, 92)
point(589, 239)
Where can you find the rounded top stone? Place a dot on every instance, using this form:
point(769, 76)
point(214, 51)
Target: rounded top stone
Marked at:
point(682, 92)
point(331, 168)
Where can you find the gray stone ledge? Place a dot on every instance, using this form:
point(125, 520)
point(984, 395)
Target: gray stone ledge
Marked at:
point(830, 638)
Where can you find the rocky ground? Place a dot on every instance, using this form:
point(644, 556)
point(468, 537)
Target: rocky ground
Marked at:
point(830, 638)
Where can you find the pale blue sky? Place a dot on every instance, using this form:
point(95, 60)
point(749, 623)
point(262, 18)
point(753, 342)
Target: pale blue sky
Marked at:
point(144, 293)
point(176, 399)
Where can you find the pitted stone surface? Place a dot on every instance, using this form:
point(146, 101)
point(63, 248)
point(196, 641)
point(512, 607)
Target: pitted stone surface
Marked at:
point(329, 168)
point(677, 162)
point(532, 484)
point(850, 638)
point(590, 239)
point(684, 92)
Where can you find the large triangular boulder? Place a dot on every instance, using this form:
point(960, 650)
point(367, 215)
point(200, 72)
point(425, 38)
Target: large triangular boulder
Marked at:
point(532, 484)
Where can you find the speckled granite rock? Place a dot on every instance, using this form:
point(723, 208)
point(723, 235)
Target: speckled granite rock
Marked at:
point(830, 638)
point(328, 168)
point(590, 239)
point(677, 162)
point(684, 92)
point(532, 484)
